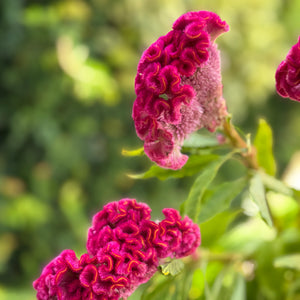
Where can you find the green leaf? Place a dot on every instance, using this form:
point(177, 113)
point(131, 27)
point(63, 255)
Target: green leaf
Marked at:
point(220, 198)
point(192, 205)
point(246, 237)
point(207, 291)
point(197, 286)
point(214, 293)
point(158, 291)
point(216, 227)
point(257, 192)
point(264, 147)
point(296, 194)
point(228, 285)
point(288, 261)
point(275, 185)
point(239, 292)
point(136, 152)
point(197, 140)
point(183, 285)
point(194, 165)
point(171, 288)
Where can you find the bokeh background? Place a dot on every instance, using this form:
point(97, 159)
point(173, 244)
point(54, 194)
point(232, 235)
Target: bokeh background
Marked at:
point(67, 89)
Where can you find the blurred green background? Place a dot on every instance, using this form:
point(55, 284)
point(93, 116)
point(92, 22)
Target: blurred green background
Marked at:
point(67, 89)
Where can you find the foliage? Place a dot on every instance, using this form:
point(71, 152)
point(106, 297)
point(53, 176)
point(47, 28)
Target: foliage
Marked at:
point(250, 235)
point(67, 73)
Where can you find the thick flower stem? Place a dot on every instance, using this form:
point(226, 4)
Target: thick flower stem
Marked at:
point(249, 157)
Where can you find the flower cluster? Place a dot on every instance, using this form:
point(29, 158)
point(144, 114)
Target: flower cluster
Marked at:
point(288, 74)
point(124, 249)
point(178, 87)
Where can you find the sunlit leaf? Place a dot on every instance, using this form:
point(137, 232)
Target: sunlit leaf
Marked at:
point(92, 79)
point(136, 152)
point(296, 194)
point(284, 208)
point(247, 236)
point(239, 288)
point(220, 198)
point(264, 147)
point(257, 192)
point(194, 165)
point(192, 205)
point(275, 185)
point(197, 287)
point(288, 261)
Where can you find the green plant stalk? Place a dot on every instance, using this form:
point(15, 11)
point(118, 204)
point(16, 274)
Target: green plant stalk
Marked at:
point(237, 142)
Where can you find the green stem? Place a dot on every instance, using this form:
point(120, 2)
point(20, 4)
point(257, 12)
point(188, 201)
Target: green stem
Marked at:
point(249, 157)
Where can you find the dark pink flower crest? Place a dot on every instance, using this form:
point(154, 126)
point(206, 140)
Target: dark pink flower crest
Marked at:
point(288, 74)
point(182, 235)
point(66, 277)
point(124, 249)
point(178, 87)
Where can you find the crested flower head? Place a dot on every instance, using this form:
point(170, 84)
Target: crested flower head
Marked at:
point(68, 278)
point(124, 248)
point(178, 87)
point(182, 235)
point(288, 74)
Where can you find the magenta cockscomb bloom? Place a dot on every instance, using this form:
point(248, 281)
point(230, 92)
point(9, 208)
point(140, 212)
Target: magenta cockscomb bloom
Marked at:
point(182, 236)
point(178, 87)
point(126, 242)
point(288, 74)
point(68, 278)
point(124, 248)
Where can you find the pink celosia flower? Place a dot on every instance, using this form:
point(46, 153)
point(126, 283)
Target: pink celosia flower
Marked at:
point(288, 74)
point(125, 249)
point(116, 218)
point(178, 87)
point(182, 236)
point(67, 278)
point(128, 243)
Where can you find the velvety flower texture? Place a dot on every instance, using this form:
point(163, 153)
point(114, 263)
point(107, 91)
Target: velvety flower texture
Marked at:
point(178, 87)
point(124, 248)
point(288, 74)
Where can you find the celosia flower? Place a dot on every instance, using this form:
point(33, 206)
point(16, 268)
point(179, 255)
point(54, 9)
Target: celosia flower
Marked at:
point(126, 242)
point(178, 87)
point(182, 236)
point(125, 249)
point(67, 278)
point(288, 74)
